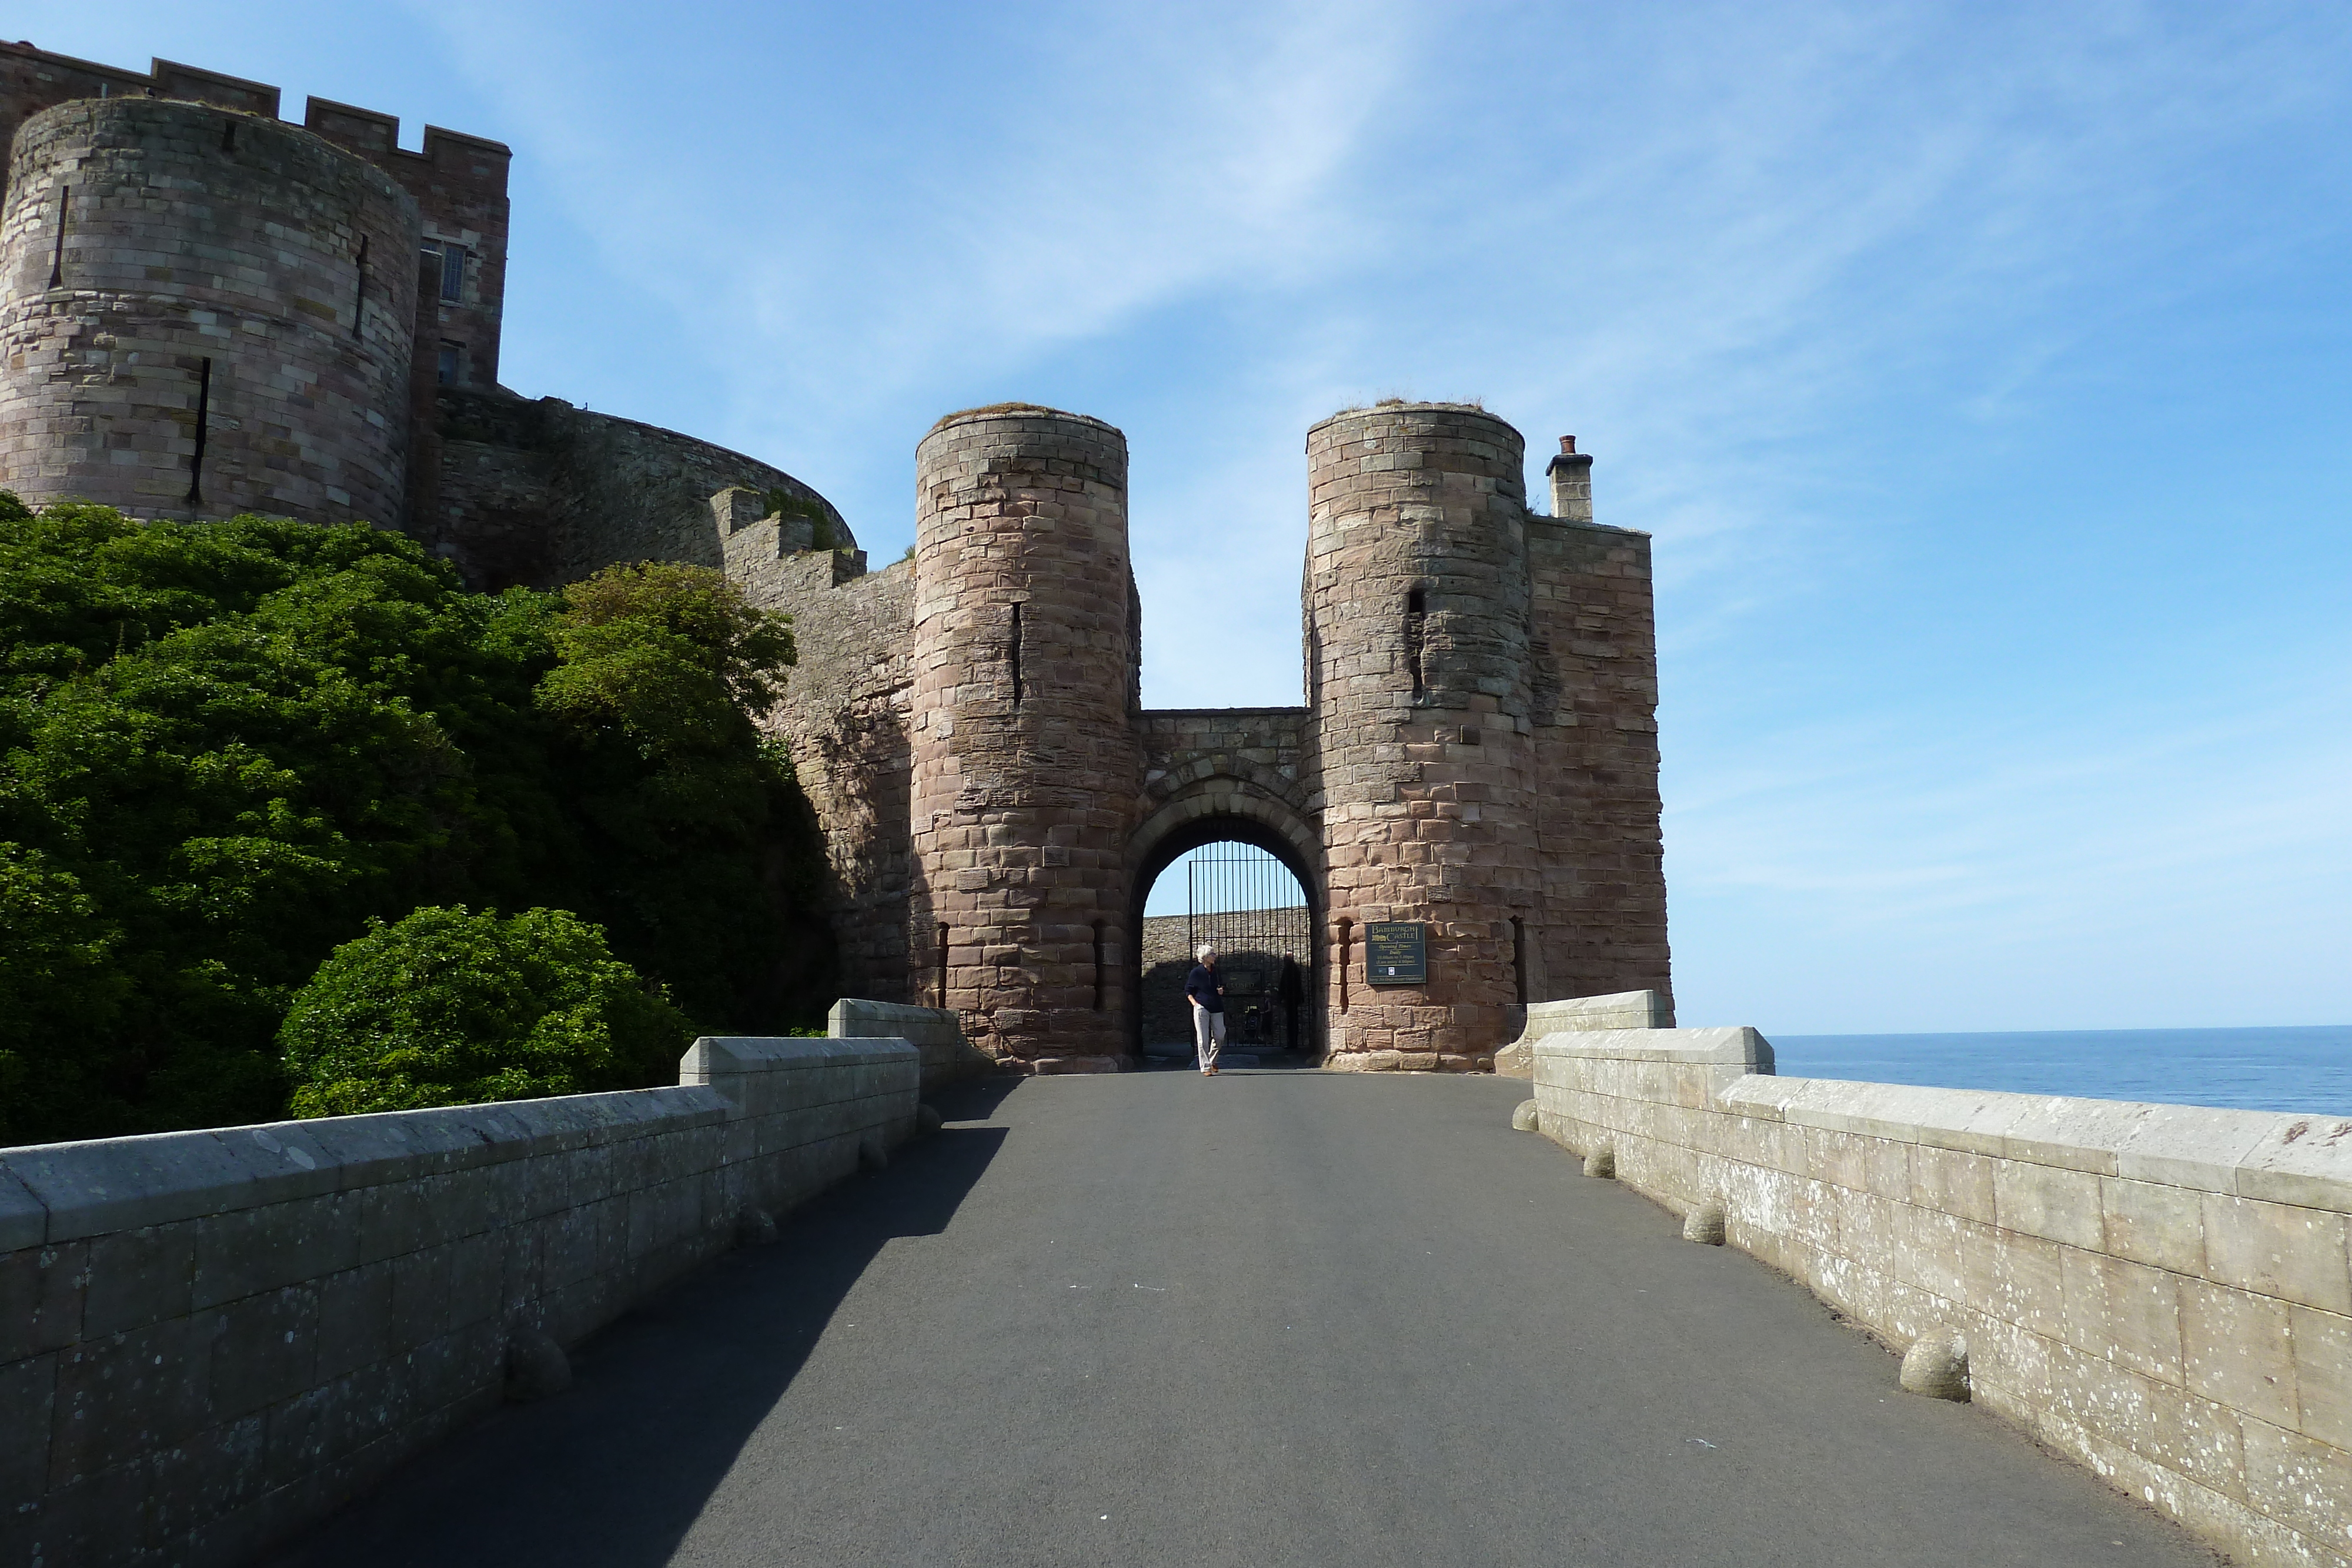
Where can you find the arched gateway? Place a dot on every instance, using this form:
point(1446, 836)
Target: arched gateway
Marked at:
point(1468, 798)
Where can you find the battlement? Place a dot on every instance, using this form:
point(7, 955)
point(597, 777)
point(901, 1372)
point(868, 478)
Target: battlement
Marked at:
point(32, 80)
point(458, 182)
point(452, 155)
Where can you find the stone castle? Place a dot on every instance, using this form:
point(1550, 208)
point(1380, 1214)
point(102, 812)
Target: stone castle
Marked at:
point(206, 311)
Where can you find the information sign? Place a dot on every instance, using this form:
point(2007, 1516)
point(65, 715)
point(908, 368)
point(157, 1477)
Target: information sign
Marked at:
point(1396, 952)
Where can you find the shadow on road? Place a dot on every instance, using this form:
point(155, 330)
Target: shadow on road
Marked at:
point(615, 1470)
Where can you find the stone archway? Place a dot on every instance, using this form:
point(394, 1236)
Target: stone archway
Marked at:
point(1215, 808)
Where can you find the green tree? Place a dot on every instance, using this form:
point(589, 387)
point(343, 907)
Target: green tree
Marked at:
point(59, 988)
point(239, 742)
point(712, 858)
point(448, 1007)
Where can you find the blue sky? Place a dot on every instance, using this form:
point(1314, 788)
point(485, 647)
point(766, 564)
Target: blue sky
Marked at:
point(1981, 372)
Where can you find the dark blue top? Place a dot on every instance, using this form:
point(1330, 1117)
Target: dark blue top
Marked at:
point(1201, 986)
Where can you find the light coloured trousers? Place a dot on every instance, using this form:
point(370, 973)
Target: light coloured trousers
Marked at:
point(1208, 1035)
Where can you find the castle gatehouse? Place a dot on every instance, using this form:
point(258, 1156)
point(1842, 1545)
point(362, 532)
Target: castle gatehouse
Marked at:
point(207, 310)
point(1474, 772)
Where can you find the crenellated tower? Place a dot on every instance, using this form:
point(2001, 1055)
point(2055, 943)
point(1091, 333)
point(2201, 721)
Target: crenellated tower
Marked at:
point(204, 312)
point(1023, 734)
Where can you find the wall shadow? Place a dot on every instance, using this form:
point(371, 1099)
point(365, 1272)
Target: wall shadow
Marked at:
point(615, 1471)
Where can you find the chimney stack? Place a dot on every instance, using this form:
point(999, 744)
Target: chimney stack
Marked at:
point(1572, 483)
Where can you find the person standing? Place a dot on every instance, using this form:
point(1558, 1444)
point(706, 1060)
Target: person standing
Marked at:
point(1208, 999)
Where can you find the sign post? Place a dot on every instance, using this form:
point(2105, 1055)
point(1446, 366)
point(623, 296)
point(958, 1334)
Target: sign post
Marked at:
point(1396, 952)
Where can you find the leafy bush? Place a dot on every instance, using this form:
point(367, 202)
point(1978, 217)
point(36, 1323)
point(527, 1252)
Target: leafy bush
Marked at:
point(59, 984)
point(225, 748)
point(446, 1007)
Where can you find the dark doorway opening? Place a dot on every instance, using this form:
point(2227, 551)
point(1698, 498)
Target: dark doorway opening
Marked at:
point(1235, 887)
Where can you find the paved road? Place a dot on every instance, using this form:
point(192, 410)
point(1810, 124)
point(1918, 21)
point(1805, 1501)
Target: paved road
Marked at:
point(1277, 1318)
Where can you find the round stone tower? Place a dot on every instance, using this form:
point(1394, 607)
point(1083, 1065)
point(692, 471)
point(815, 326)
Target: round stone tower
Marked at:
point(1024, 751)
point(1417, 604)
point(204, 312)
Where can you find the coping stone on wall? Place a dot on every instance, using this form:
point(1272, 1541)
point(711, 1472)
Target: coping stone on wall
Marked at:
point(24, 1219)
point(1620, 1009)
point(2273, 1155)
point(934, 1031)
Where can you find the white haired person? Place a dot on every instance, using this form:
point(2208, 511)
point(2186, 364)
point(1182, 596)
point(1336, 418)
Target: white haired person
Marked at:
point(1208, 999)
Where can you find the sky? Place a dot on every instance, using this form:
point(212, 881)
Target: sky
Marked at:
point(1980, 372)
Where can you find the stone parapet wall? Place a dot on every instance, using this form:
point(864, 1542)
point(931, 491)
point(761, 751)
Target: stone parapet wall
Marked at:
point(2160, 1291)
point(538, 492)
point(180, 281)
point(1624, 1009)
point(209, 1340)
point(948, 1057)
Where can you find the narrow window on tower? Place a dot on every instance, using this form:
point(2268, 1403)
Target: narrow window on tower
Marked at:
point(452, 364)
point(942, 999)
point(58, 256)
point(1099, 966)
point(359, 290)
point(1520, 959)
point(203, 419)
point(452, 274)
point(228, 136)
point(1346, 931)
point(1012, 655)
point(1417, 619)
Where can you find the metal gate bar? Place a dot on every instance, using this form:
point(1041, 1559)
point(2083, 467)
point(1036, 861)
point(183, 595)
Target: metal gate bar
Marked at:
point(1243, 902)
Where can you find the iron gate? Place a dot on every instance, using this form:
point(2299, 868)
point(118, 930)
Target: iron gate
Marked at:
point(1247, 905)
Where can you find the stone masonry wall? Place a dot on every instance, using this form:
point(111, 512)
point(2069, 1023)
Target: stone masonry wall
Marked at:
point(948, 1057)
point(458, 182)
point(34, 80)
point(1263, 749)
point(177, 234)
point(1623, 1009)
point(541, 493)
point(1417, 624)
point(1593, 634)
point(2161, 1291)
point(209, 1340)
point(845, 715)
point(1026, 768)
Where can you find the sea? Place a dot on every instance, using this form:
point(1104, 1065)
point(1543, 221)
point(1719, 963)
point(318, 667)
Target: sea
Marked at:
point(2307, 1070)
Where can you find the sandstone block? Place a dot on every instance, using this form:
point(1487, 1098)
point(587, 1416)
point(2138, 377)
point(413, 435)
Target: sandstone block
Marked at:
point(2237, 1350)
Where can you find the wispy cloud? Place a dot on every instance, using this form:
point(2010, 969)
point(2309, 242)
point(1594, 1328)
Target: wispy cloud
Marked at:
point(1906, 329)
